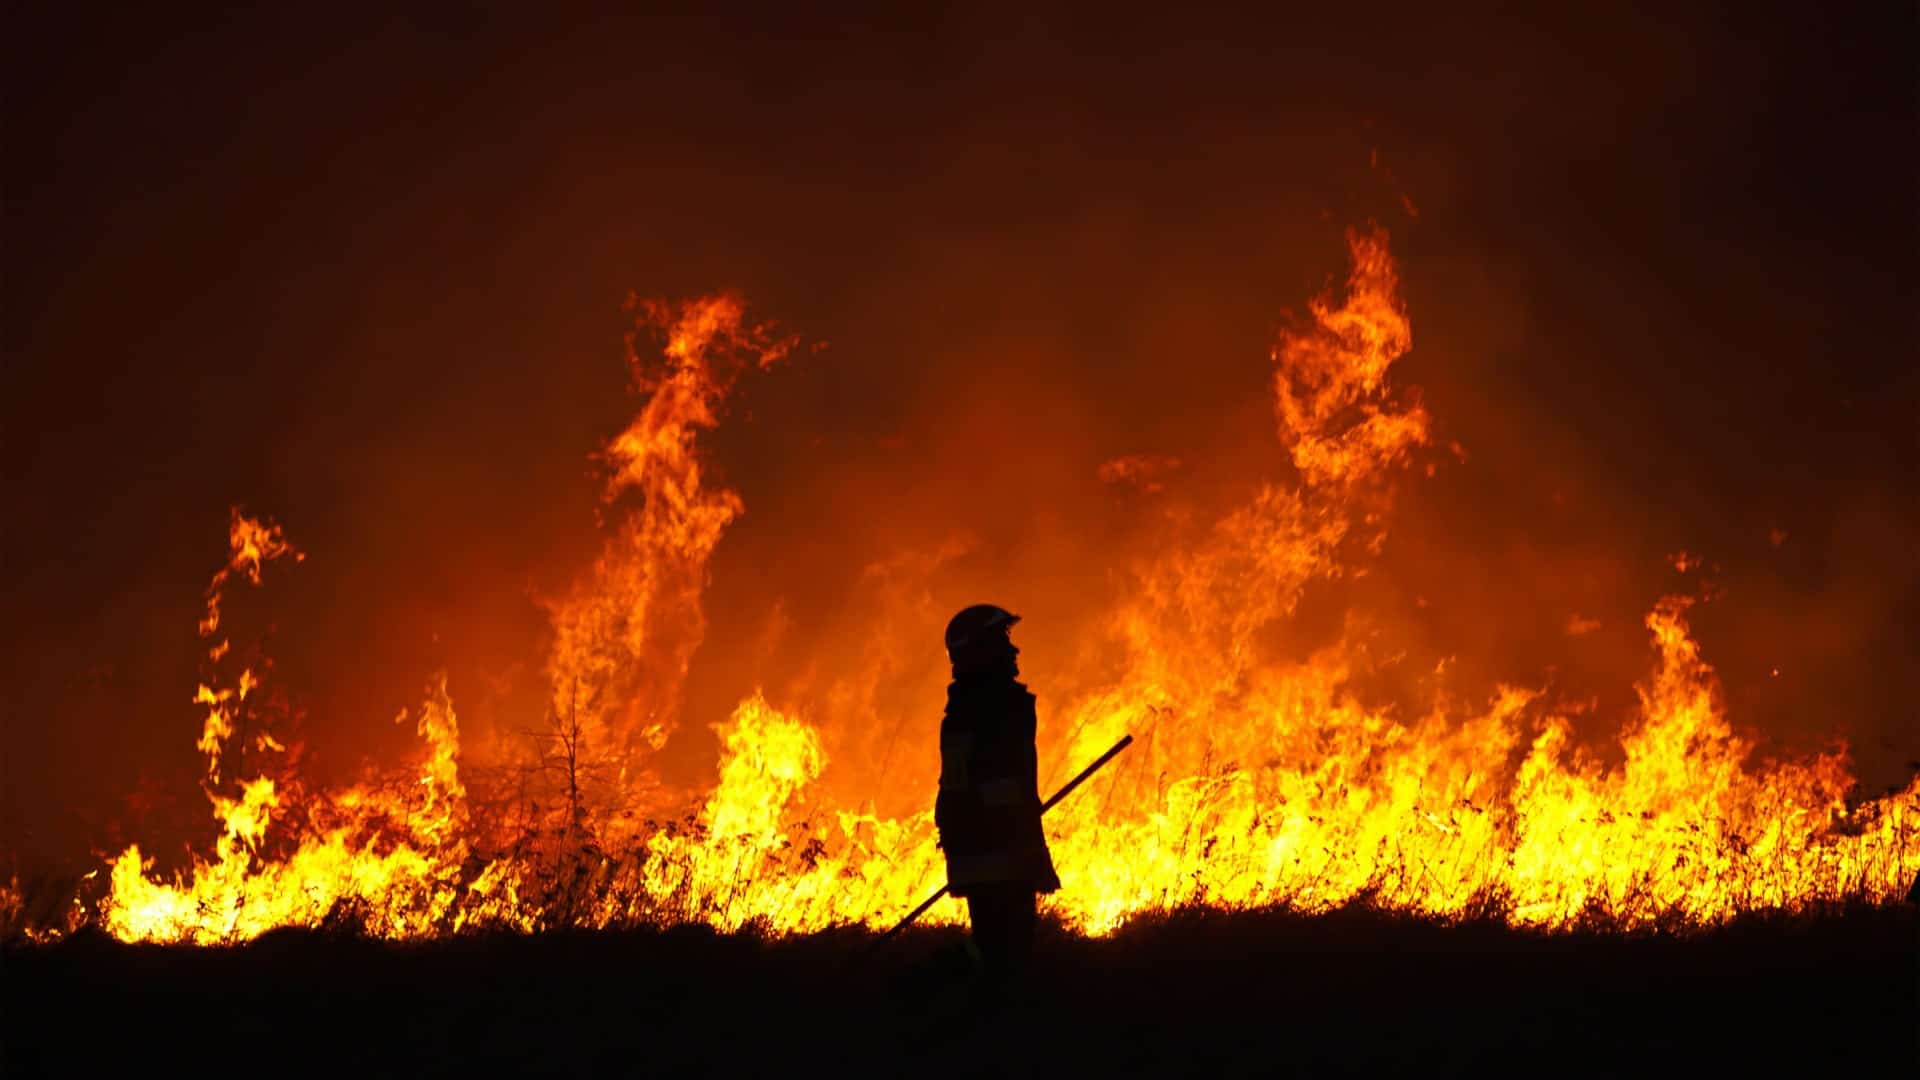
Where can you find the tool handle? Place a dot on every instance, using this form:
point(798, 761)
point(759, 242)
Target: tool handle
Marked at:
point(1124, 742)
point(911, 916)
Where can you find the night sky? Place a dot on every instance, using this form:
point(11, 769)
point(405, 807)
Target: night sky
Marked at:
point(365, 277)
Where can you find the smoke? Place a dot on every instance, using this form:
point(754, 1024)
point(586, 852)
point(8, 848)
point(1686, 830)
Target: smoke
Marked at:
point(1655, 319)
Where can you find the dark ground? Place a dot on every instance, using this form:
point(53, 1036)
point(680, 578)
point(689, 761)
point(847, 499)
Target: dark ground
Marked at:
point(1354, 992)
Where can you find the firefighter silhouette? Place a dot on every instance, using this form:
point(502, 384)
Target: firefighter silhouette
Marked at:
point(988, 809)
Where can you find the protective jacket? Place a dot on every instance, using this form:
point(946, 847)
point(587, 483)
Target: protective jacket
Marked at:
point(988, 809)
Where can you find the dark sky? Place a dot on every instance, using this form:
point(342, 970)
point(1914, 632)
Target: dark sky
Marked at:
point(365, 276)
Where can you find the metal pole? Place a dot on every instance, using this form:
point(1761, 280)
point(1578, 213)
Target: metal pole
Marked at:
point(1124, 742)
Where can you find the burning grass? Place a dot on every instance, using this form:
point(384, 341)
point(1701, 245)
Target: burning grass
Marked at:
point(1261, 778)
point(754, 892)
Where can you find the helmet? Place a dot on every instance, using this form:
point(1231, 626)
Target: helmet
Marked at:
point(977, 625)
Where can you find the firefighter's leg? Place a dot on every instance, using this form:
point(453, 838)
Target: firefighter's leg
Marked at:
point(992, 916)
point(1022, 914)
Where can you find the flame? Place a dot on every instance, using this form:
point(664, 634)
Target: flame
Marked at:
point(1255, 780)
point(388, 857)
point(1330, 382)
point(251, 543)
point(626, 631)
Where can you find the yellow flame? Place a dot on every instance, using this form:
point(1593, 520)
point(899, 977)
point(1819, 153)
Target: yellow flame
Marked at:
point(389, 860)
point(1252, 781)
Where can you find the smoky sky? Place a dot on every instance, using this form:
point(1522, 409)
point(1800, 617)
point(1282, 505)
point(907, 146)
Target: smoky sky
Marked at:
point(365, 276)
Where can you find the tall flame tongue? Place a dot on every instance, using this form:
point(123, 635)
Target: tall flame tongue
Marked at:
point(1255, 780)
point(626, 631)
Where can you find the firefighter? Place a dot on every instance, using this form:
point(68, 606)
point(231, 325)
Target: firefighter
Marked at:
point(988, 808)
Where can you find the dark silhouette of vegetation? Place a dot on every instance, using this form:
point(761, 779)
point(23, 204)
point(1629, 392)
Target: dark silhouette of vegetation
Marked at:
point(1191, 992)
point(570, 767)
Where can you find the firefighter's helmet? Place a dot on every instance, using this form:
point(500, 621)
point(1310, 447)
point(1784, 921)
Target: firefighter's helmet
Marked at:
point(981, 624)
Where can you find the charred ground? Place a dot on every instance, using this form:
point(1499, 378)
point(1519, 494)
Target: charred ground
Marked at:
point(1203, 992)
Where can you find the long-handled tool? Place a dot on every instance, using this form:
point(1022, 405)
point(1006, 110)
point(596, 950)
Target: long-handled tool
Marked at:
point(1124, 742)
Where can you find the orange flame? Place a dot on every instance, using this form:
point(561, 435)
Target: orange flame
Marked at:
point(626, 631)
point(1254, 781)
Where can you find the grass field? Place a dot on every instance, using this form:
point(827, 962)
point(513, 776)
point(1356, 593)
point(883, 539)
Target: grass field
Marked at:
point(1356, 992)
